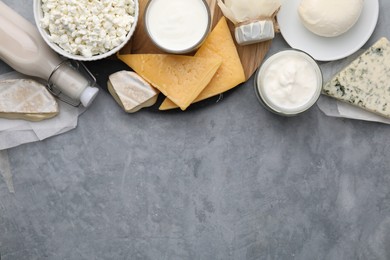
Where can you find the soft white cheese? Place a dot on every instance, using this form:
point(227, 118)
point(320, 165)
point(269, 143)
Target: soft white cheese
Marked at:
point(254, 32)
point(88, 27)
point(365, 82)
point(329, 18)
point(253, 19)
point(26, 99)
point(131, 91)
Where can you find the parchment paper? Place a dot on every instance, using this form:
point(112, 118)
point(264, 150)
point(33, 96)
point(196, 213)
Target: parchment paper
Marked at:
point(334, 108)
point(17, 132)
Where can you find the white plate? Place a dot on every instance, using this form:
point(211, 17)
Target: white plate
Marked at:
point(326, 48)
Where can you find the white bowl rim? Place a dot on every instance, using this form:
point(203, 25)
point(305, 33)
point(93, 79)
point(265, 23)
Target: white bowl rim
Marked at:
point(44, 33)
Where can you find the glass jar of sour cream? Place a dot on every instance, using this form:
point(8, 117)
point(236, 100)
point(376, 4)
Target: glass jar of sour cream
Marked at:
point(288, 82)
point(177, 26)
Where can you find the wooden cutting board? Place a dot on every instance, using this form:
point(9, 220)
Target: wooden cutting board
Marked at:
point(251, 55)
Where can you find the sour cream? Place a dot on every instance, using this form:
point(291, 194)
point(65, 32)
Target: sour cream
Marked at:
point(177, 26)
point(289, 82)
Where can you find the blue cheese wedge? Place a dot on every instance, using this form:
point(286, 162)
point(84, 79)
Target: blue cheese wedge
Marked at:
point(365, 82)
point(26, 99)
point(131, 91)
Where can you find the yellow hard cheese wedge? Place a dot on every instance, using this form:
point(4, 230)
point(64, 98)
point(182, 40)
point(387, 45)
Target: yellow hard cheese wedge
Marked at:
point(219, 44)
point(180, 78)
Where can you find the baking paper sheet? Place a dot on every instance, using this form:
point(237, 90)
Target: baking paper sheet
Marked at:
point(17, 132)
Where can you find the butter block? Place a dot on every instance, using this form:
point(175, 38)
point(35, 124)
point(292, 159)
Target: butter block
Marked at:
point(131, 91)
point(26, 99)
point(254, 32)
point(219, 44)
point(180, 78)
point(365, 81)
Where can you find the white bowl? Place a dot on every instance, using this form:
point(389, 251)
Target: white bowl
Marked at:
point(38, 14)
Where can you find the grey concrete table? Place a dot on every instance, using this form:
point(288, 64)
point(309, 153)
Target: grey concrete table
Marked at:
point(227, 181)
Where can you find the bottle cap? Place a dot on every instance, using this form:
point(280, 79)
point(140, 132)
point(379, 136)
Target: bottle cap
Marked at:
point(88, 95)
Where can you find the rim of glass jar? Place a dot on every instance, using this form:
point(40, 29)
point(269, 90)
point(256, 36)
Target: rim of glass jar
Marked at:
point(280, 110)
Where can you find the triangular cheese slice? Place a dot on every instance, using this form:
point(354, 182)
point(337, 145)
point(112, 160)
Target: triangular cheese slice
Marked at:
point(26, 99)
point(131, 91)
point(365, 81)
point(230, 74)
point(180, 78)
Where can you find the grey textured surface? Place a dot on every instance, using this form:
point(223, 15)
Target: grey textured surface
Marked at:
point(227, 181)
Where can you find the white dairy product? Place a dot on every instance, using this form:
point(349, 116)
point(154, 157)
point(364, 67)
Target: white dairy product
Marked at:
point(254, 32)
point(253, 19)
point(22, 47)
point(86, 27)
point(177, 26)
point(131, 91)
point(329, 18)
point(289, 82)
point(26, 99)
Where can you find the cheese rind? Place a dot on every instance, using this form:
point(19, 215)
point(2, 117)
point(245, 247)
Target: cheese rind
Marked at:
point(131, 91)
point(365, 82)
point(219, 44)
point(26, 99)
point(180, 78)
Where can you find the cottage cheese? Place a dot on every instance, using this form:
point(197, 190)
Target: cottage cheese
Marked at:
point(88, 27)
